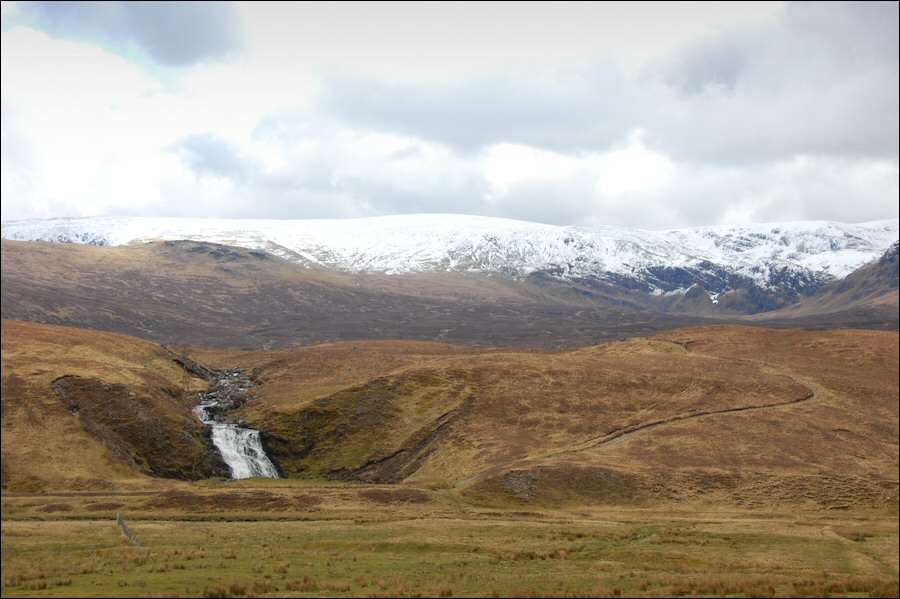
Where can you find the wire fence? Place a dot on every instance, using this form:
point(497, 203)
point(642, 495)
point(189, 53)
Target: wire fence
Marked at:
point(132, 538)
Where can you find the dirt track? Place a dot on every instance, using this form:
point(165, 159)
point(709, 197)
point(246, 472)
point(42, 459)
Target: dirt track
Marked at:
point(619, 435)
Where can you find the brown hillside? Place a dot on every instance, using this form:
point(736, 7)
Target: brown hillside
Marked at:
point(837, 449)
point(730, 415)
point(88, 410)
point(867, 297)
point(216, 296)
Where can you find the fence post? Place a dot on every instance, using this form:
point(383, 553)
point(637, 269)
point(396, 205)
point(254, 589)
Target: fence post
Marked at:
point(132, 538)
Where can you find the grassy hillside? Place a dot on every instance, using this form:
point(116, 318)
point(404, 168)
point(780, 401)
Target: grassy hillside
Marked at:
point(717, 461)
point(715, 414)
point(836, 448)
point(89, 410)
point(731, 415)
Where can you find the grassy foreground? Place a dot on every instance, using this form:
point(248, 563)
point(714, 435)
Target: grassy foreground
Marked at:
point(353, 546)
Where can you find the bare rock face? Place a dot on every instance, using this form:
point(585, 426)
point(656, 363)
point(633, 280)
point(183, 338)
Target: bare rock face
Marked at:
point(229, 389)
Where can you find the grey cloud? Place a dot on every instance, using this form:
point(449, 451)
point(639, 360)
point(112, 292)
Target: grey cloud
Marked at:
point(330, 191)
point(326, 177)
point(821, 81)
point(208, 154)
point(434, 192)
point(172, 33)
point(572, 110)
point(710, 63)
point(792, 119)
point(822, 188)
point(555, 201)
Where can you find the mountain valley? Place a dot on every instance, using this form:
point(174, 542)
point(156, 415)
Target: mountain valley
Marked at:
point(454, 431)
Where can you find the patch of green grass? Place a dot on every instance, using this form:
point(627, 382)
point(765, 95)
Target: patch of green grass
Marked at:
point(500, 554)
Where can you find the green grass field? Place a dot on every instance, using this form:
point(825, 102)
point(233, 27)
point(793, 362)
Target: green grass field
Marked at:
point(347, 546)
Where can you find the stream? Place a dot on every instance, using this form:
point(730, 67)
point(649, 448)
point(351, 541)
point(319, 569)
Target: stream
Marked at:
point(239, 445)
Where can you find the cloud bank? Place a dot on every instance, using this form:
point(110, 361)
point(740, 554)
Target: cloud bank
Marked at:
point(565, 114)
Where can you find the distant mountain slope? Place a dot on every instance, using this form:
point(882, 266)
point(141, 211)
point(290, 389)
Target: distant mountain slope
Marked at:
point(764, 266)
point(870, 283)
point(866, 297)
point(217, 296)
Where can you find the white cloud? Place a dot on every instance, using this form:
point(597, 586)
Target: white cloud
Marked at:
point(605, 113)
point(633, 168)
point(83, 117)
point(506, 165)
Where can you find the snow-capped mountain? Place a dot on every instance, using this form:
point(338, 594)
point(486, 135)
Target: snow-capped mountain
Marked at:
point(794, 257)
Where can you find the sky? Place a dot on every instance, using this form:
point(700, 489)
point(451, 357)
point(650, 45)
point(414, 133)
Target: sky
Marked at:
point(648, 115)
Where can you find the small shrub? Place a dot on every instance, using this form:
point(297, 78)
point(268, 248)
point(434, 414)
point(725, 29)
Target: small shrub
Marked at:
point(262, 586)
point(307, 584)
point(216, 591)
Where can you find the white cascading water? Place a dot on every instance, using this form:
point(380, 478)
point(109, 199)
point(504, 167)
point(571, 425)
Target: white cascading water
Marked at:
point(240, 446)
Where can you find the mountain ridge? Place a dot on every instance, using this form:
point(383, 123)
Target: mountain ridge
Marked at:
point(869, 290)
point(213, 295)
point(792, 258)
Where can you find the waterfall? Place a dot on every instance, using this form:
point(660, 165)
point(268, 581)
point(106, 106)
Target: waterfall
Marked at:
point(240, 446)
point(242, 451)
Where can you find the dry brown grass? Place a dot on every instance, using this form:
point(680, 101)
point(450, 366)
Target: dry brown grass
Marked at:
point(512, 426)
point(837, 450)
point(547, 414)
point(45, 446)
point(293, 378)
point(506, 405)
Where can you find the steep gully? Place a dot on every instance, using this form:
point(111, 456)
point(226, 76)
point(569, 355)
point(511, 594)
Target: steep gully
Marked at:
point(240, 447)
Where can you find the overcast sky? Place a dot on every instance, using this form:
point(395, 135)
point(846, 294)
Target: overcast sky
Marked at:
point(656, 115)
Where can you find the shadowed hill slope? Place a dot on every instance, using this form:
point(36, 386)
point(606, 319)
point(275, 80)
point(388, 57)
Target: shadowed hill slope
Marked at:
point(217, 296)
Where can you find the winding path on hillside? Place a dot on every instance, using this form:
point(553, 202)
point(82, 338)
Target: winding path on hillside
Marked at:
point(619, 435)
point(614, 437)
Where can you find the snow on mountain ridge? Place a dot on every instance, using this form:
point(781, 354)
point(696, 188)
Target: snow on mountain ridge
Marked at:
point(765, 253)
